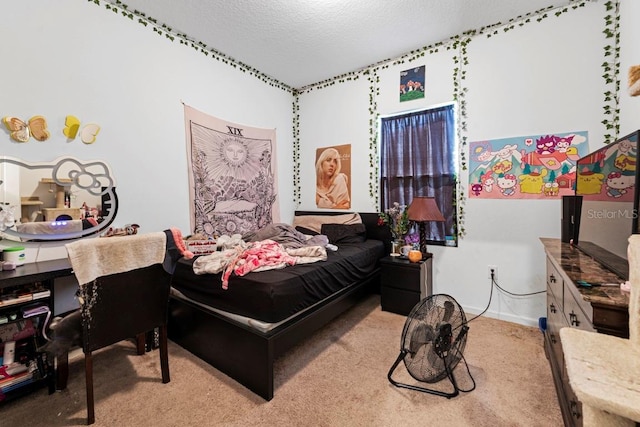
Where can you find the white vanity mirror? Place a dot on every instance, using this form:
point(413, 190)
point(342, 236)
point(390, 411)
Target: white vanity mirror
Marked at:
point(59, 200)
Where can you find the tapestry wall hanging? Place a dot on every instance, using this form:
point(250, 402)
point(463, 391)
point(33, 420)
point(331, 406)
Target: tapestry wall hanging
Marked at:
point(412, 84)
point(232, 175)
point(527, 167)
point(333, 177)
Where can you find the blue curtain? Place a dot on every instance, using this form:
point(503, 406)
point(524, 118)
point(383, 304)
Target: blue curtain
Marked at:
point(417, 158)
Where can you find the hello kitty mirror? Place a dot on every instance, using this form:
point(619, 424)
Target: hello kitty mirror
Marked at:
point(59, 200)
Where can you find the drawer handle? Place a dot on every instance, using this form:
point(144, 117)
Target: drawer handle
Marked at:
point(574, 409)
point(552, 308)
point(573, 319)
point(552, 278)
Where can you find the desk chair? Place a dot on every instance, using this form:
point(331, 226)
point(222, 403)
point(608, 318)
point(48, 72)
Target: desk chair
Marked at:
point(124, 293)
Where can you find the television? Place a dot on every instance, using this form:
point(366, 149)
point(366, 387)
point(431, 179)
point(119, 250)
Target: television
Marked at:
point(606, 213)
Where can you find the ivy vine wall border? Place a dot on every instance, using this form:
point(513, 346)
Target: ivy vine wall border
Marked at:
point(458, 44)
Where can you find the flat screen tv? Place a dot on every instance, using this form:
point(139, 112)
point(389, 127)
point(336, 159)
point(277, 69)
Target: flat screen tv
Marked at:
point(607, 189)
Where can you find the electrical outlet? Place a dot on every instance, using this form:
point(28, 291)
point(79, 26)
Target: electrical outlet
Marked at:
point(495, 272)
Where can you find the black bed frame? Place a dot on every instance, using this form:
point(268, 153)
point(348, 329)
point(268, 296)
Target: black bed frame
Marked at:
point(247, 355)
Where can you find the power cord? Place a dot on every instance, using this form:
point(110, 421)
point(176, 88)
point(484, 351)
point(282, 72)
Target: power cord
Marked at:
point(495, 283)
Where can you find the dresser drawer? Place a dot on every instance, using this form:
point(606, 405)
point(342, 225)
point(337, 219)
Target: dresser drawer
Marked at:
point(555, 322)
point(407, 276)
point(611, 320)
point(398, 301)
point(579, 313)
point(555, 282)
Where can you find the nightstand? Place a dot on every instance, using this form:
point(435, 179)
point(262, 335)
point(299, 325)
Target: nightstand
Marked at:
point(403, 283)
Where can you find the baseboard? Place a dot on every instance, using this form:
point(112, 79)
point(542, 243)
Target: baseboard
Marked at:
point(471, 312)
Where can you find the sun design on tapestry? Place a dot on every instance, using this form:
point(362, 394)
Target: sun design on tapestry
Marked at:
point(234, 185)
point(232, 156)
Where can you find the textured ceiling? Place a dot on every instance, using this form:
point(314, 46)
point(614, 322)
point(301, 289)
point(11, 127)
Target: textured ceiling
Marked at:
point(301, 42)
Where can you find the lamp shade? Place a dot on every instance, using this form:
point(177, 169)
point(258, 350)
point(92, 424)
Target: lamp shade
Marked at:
point(424, 209)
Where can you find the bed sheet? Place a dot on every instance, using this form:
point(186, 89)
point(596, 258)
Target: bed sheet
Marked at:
point(274, 295)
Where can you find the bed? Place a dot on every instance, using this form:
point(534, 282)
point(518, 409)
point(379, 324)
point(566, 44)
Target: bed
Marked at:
point(241, 331)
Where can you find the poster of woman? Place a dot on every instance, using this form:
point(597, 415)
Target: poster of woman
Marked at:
point(333, 177)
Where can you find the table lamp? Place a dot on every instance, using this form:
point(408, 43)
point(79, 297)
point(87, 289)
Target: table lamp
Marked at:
point(422, 210)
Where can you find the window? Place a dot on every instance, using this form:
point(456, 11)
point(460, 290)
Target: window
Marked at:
point(418, 158)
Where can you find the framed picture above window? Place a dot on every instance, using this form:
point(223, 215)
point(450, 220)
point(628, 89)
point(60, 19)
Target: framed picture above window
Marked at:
point(412, 84)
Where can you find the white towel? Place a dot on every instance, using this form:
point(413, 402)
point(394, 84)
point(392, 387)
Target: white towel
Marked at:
point(93, 258)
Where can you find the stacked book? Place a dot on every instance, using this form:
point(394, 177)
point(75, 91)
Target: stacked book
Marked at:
point(23, 296)
point(14, 376)
point(12, 299)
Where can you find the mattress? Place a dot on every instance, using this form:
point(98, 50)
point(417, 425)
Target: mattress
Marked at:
point(274, 295)
point(263, 327)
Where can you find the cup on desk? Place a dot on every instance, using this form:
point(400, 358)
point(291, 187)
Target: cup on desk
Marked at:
point(404, 250)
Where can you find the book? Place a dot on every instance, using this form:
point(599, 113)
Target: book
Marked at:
point(6, 300)
point(41, 294)
point(14, 379)
point(7, 371)
point(12, 387)
point(20, 378)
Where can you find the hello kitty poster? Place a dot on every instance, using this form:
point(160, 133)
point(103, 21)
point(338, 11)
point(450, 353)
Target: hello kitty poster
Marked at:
point(526, 167)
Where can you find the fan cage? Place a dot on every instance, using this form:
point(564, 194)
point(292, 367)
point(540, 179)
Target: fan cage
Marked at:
point(434, 338)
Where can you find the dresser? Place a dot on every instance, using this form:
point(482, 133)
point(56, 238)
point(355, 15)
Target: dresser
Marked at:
point(602, 309)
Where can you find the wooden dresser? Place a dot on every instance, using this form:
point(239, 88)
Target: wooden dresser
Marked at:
point(603, 309)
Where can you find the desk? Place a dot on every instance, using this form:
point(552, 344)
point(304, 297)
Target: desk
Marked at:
point(42, 271)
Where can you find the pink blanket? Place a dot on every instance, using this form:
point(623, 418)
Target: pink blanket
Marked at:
point(258, 255)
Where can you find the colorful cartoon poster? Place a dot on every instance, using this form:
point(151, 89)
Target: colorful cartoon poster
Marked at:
point(333, 177)
point(412, 84)
point(526, 167)
point(609, 174)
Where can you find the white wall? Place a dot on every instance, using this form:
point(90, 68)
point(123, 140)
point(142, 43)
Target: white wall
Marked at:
point(629, 55)
point(541, 77)
point(336, 115)
point(74, 57)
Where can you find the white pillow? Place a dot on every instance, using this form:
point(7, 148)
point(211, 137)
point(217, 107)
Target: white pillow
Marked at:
point(314, 222)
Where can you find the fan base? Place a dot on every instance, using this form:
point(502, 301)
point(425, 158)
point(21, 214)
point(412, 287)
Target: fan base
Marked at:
point(454, 393)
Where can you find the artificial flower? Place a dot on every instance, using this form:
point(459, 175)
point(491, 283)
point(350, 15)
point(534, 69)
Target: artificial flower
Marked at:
point(396, 218)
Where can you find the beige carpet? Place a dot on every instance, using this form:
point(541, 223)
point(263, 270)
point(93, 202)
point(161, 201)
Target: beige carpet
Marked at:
point(336, 378)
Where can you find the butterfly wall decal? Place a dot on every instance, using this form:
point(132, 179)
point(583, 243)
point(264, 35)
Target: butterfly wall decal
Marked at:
point(72, 129)
point(21, 131)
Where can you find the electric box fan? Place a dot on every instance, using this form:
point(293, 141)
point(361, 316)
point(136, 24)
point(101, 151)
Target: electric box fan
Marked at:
point(433, 339)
